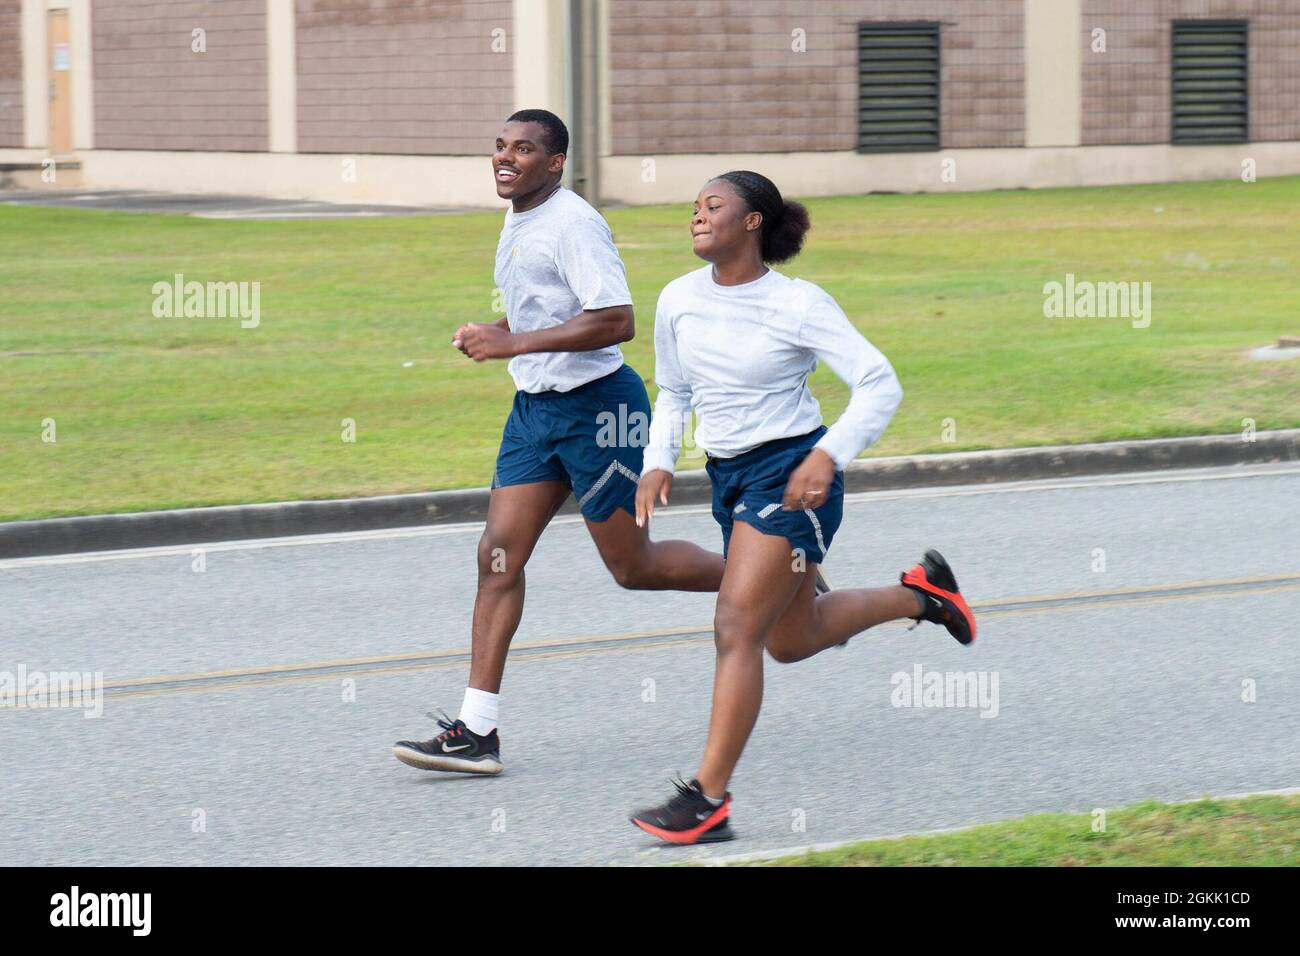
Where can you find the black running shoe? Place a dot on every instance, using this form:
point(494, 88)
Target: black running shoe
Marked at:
point(456, 748)
point(688, 817)
point(937, 585)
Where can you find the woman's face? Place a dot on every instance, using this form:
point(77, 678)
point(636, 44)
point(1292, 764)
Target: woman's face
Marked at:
point(721, 225)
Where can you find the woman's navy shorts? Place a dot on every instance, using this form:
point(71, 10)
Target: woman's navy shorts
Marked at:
point(750, 487)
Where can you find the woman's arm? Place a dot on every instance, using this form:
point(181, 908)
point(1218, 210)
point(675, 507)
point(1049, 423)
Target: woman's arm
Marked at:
point(875, 390)
point(672, 413)
point(875, 393)
point(673, 404)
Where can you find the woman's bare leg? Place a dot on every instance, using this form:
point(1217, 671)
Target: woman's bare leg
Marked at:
point(757, 585)
point(810, 624)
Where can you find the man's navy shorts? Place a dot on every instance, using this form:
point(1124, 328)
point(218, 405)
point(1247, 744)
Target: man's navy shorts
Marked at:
point(750, 487)
point(591, 438)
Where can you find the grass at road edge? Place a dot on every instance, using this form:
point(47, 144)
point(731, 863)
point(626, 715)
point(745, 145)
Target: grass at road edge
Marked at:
point(1249, 831)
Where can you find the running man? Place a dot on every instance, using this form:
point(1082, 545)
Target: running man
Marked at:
point(567, 309)
point(736, 341)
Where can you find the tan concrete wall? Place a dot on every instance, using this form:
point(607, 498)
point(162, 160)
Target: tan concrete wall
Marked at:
point(721, 75)
point(403, 76)
point(1052, 73)
point(282, 76)
point(21, 155)
point(537, 40)
point(1126, 90)
point(465, 181)
point(35, 72)
point(677, 178)
point(153, 92)
point(445, 181)
point(11, 73)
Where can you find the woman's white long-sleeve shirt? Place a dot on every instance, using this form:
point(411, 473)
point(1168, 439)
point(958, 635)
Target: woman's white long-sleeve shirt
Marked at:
point(740, 356)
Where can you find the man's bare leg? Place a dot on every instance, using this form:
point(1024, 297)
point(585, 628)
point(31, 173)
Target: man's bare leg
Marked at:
point(639, 563)
point(517, 516)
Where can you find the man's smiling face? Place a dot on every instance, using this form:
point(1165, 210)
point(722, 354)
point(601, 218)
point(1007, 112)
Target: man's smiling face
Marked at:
point(521, 165)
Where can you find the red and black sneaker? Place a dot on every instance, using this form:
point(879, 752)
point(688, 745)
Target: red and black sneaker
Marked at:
point(688, 817)
point(934, 581)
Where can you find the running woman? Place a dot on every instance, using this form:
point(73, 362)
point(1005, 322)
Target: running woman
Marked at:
point(736, 341)
point(567, 309)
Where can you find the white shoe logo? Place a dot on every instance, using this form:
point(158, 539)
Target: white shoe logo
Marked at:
point(451, 750)
point(704, 816)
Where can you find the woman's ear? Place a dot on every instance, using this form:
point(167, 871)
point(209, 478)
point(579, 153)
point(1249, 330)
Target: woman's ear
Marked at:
point(753, 221)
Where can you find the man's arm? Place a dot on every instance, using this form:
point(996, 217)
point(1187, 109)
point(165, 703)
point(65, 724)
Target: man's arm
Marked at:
point(585, 332)
point(459, 336)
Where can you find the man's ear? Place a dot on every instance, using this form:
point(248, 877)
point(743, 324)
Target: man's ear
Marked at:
point(556, 163)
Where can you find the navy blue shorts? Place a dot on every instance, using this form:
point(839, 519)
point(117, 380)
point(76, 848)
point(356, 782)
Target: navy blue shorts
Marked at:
point(750, 487)
point(591, 438)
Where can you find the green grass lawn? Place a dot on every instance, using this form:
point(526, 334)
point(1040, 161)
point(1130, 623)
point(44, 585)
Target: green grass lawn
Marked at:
point(161, 413)
point(1254, 831)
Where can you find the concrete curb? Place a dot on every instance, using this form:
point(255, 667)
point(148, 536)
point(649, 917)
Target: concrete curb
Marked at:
point(24, 539)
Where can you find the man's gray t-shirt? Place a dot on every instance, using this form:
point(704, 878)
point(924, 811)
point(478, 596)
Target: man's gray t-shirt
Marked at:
point(554, 262)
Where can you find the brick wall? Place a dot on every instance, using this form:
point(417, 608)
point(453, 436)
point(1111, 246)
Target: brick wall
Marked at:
point(11, 74)
point(153, 92)
point(702, 76)
point(1126, 90)
point(402, 76)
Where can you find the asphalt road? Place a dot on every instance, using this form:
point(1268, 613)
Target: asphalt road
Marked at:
point(228, 734)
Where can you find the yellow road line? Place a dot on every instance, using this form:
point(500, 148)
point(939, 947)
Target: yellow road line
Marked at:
point(627, 641)
point(1084, 595)
point(981, 607)
point(406, 656)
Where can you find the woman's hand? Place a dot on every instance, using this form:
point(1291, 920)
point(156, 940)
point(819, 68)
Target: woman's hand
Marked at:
point(810, 483)
point(653, 484)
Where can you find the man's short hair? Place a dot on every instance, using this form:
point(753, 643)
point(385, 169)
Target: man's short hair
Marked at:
point(557, 134)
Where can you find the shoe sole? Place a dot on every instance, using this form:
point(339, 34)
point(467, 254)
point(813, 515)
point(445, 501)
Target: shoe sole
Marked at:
point(679, 840)
point(698, 834)
point(413, 758)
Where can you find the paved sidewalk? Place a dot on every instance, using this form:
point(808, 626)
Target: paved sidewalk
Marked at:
point(207, 206)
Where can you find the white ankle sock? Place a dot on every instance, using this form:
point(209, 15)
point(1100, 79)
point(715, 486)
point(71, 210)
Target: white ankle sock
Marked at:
point(479, 711)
